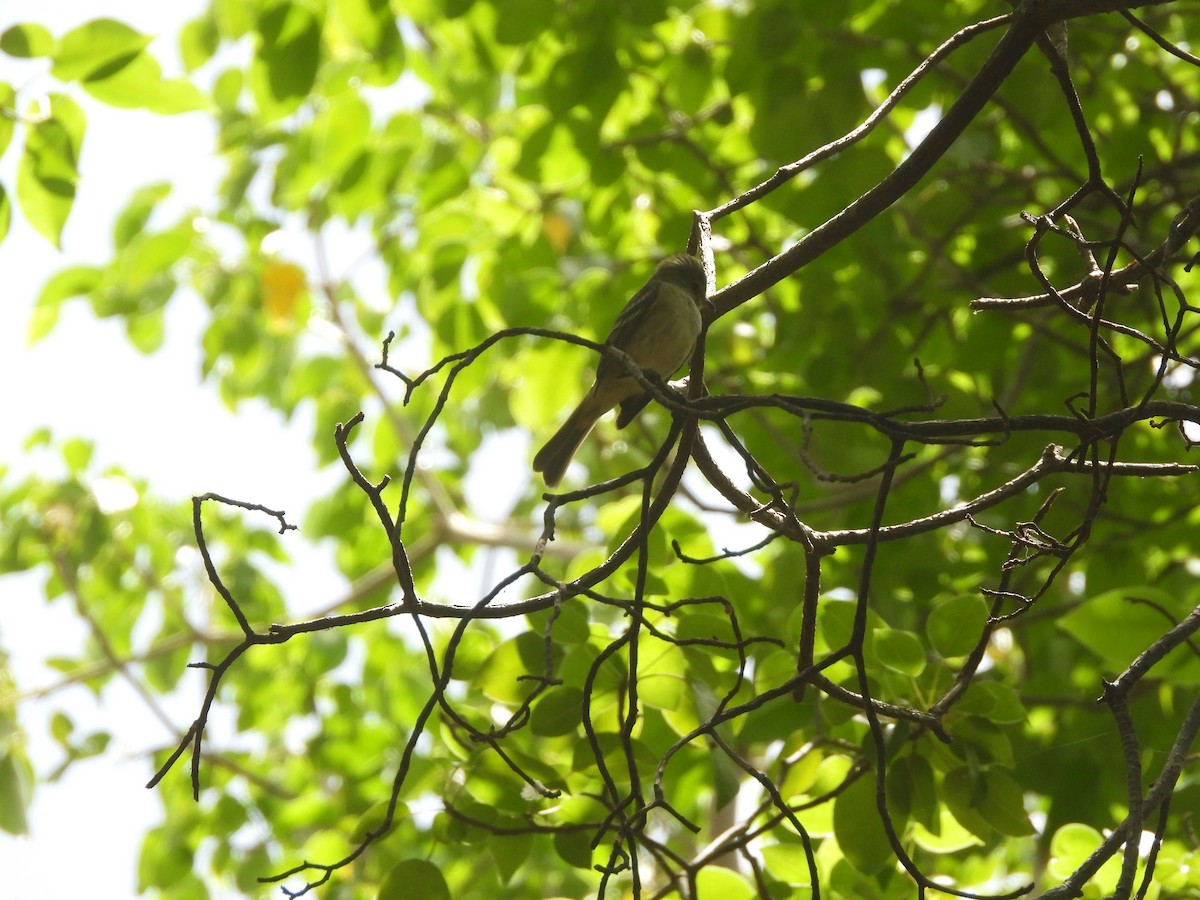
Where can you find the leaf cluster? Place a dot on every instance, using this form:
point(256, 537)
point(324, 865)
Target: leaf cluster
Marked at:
point(693, 720)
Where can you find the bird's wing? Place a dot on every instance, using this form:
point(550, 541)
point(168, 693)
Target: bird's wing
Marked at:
point(627, 323)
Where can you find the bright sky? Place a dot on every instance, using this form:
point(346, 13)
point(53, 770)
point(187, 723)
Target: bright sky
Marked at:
point(148, 414)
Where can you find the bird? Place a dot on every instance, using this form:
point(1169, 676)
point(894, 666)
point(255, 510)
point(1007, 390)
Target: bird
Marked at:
point(657, 329)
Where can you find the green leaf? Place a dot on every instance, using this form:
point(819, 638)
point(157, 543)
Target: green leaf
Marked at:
point(787, 862)
point(712, 881)
point(570, 623)
point(94, 744)
point(15, 783)
point(858, 828)
point(911, 789)
point(414, 878)
point(8, 115)
point(518, 21)
point(993, 701)
point(76, 281)
point(46, 202)
point(981, 739)
point(559, 712)
point(139, 84)
point(1114, 627)
point(27, 41)
point(165, 861)
point(372, 25)
point(136, 213)
point(835, 618)
point(574, 848)
point(41, 437)
point(71, 117)
point(955, 625)
point(372, 820)
point(509, 852)
point(151, 256)
point(146, 331)
point(225, 93)
point(662, 680)
point(1004, 804)
point(97, 49)
point(987, 799)
point(77, 453)
point(5, 213)
point(285, 68)
point(340, 132)
point(901, 651)
point(502, 675)
point(61, 726)
point(198, 41)
point(546, 389)
point(48, 169)
point(1071, 846)
point(944, 835)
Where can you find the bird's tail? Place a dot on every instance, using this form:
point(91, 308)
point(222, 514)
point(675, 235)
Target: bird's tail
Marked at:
point(552, 460)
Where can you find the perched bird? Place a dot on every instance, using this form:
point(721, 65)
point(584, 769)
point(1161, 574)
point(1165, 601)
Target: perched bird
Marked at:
point(657, 329)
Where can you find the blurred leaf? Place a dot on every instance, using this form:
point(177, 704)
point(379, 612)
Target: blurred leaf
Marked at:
point(289, 44)
point(283, 284)
point(77, 453)
point(414, 878)
point(47, 171)
point(509, 852)
point(139, 84)
point(724, 883)
point(16, 781)
point(5, 212)
point(164, 861)
point(97, 49)
point(75, 281)
point(8, 109)
point(1115, 627)
point(27, 40)
point(136, 213)
point(198, 42)
point(574, 848)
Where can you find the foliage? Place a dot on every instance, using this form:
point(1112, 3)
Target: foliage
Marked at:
point(628, 708)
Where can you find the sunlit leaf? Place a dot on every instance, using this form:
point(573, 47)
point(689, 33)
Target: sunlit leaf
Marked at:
point(8, 108)
point(5, 212)
point(76, 281)
point(27, 40)
point(48, 169)
point(198, 41)
point(15, 786)
point(139, 84)
point(285, 68)
point(98, 49)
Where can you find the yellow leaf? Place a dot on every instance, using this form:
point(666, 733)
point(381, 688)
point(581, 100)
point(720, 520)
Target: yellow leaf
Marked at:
point(282, 285)
point(558, 231)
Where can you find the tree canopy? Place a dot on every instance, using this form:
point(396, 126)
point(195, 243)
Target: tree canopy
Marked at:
point(895, 596)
